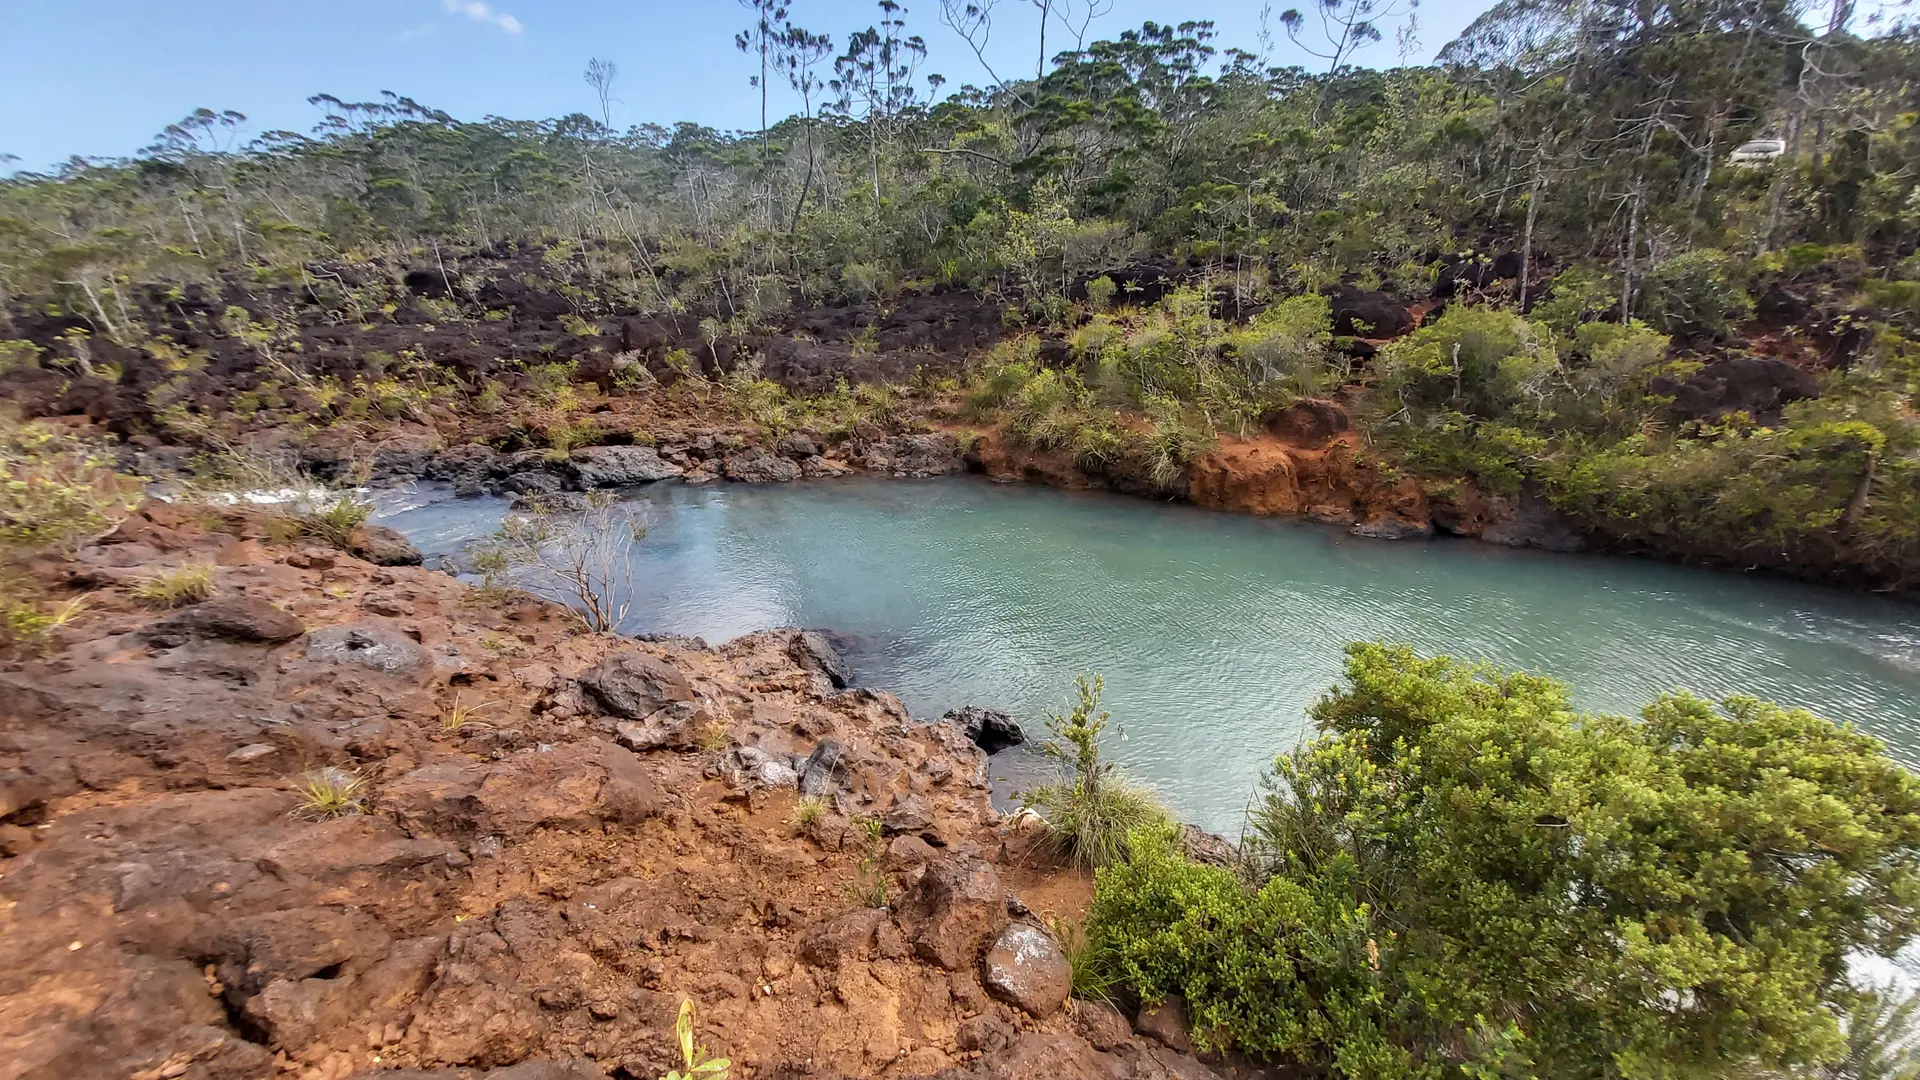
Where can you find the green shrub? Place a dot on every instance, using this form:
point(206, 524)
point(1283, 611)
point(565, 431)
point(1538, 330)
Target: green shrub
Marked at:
point(1694, 295)
point(1290, 344)
point(1578, 295)
point(1672, 895)
point(57, 490)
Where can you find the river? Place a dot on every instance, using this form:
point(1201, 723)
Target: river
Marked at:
point(1214, 632)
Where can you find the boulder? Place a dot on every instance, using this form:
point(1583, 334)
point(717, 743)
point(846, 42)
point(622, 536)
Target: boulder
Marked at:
point(812, 650)
point(796, 445)
point(824, 769)
point(635, 685)
point(467, 466)
point(1394, 528)
point(375, 647)
point(989, 729)
point(677, 726)
point(1205, 847)
point(383, 546)
point(1363, 313)
point(619, 466)
point(1027, 968)
point(757, 768)
point(1166, 1022)
point(931, 454)
point(760, 467)
point(574, 786)
point(233, 618)
point(817, 467)
point(955, 908)
point(1531, 521)
point(531, 483)
point(1760, 386)
point(908, 814)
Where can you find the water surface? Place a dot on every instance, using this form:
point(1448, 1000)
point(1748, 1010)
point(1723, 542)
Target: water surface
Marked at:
point(1214, 631)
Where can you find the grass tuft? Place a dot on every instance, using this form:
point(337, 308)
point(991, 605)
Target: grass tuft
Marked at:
point(176, 587)
point(1093, 807)
point(331, 793)
point(459, 716)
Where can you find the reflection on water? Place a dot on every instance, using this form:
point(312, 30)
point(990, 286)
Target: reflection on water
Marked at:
point(1214, 631)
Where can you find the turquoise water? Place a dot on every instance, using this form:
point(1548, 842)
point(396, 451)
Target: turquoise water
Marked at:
point(1214, 631)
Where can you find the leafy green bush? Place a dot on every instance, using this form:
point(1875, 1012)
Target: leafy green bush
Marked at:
point(56, 490)
point(1694, 295)
point(1578, 295)
point(1290, 344)
point(1673, 895)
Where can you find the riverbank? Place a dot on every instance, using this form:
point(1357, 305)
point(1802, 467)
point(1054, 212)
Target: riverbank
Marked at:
point(338, 817)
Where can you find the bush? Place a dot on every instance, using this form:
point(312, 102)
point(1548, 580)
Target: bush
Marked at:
point(1668, 896)
point(57, 491)
point(1290, 344)
point(1093, 807)
point(1693, 295)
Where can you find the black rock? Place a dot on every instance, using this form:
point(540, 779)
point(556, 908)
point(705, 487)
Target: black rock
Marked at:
point(989, 729)
point(811, 650)
point(824, 768)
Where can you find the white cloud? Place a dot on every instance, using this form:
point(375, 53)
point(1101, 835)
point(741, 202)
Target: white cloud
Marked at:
point(479, 11)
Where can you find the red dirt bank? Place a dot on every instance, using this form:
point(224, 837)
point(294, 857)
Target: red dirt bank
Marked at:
point(527, 895)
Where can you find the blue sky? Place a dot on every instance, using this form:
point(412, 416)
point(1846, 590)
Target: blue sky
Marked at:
point(101, 77)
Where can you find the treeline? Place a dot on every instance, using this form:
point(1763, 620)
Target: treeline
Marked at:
point(1597, 131)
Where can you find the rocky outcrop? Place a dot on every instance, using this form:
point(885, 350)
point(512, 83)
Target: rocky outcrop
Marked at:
point(618, 466)
point(989, 729)
point(506, 890)
point(1362, 313)
point(933, 454)
point(1759, 386)
point(761, 467)
point(233, 618)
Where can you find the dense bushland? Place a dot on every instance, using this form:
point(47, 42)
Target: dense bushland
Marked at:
point(1462, 875)
point(1160, 219)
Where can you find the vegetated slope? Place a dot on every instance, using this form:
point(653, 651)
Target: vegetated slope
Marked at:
point(1555, 303)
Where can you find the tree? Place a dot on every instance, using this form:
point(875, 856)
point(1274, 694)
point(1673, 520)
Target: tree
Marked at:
point(583, 560)
point(600, 75)
point(875, 77)
point(761, 41)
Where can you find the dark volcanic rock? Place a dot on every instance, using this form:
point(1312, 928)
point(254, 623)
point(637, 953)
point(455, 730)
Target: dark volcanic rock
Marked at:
point(1361, 313)
point(531, 483)
point(619, 466)
point(760, 467)
point(383, 546)
point(824, 769)
point(812, 650)
point(1394, 528)
point(933, 454)
point(238, 618)
point(1757, 385)
point(374, 647)
point(635, 685)
point(989, 729)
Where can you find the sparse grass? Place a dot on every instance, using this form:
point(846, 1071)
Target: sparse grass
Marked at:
point(459, 716)
point(809, 812)
point(331, 793)
point(716, 737)
point(1094, 977)
point(175, 587)
point(1093, 807)
point(26, 622)
point(335, 522)
point(869, 885)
